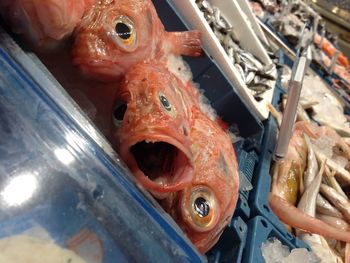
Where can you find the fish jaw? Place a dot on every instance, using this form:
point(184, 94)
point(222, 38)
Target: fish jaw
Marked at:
point(165, 182)
point(102, 70)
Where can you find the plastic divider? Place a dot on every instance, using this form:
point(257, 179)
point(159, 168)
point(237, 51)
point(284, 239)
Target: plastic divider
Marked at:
point(260, 230)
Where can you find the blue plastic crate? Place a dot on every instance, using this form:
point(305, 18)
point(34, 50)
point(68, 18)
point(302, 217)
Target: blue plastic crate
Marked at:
point(260, 230)
point(77, 191)
point(225, 101)
point(222, 98)
point(258, 199)
point(227, 250)
point(232, 110)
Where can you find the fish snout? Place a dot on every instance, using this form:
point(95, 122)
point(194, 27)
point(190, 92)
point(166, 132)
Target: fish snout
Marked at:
point(91, 55)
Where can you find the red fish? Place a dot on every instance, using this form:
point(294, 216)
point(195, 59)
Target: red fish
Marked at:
point(205, 207)
point(152, 129)
point(115, 35)
point(178, 153)
point(44, 23)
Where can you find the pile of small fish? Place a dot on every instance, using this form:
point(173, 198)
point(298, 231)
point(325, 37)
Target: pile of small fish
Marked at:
point(308, 190)
point(175, 149)
point(255, 75)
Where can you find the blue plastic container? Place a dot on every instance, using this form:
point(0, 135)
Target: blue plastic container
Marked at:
point(258, 198)
point(259, 231)
point(232, 243)
point(67, 189)
point(232, 110)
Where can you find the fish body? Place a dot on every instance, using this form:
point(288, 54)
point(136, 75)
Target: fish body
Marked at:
point(44, 23)
point(334, 221)
point(116, 35)
point(288, 173)
point(325, 208)
point(339, 201)
point(215, 180)
point(182, 156)
point(307, 204)
point(312, 166)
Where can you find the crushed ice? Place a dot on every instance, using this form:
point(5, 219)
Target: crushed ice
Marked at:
point(274, 251)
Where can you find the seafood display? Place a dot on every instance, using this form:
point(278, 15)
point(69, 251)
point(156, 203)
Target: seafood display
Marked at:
point(176, 151)
point(253, 72)
point(115, 35)
point(161, 125)
point(308, 183)
point(126, 71)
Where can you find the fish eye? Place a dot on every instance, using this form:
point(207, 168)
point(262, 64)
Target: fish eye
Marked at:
point(123, 30)
point(164, 101)
point(202, 209)
point(124, 33)
point(119, 112)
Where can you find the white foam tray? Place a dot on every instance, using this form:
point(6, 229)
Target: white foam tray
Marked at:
point(247, 9)
point(194, 19)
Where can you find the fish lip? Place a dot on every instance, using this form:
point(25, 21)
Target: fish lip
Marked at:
point(184, 176)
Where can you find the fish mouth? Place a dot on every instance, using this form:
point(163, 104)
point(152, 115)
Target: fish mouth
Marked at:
point(161, 166)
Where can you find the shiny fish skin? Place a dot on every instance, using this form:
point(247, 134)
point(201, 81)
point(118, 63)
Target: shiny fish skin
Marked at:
point(337, 200)
point(45, 25)
point(312, 165)
point(325, 207)
point(307, 204)
point(198, 160)
point(247, 65)
point(100, 52)
point(334, 221)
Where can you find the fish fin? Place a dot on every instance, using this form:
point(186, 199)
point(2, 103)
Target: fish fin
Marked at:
point(187, 43)
point(291, 215)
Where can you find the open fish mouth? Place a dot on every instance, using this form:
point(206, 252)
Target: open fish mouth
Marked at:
point(161, 167)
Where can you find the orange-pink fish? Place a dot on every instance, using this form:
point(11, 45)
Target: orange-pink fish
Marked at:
point(185, 159)
point(44, 23)
point(110, 36)
point(115, 35)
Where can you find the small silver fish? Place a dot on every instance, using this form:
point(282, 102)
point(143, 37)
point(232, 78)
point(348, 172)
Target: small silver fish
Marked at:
point(337, 200)
point(325, 207)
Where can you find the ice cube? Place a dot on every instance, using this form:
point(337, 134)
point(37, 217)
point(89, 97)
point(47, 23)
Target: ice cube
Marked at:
point(301, 255)
point(274, 251)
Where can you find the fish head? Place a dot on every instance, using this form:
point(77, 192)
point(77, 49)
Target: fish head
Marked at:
point(205, 208)
point(115, 35)
point(152, 129)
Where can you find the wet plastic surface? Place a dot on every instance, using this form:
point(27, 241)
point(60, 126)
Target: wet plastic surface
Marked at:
point(68, 190)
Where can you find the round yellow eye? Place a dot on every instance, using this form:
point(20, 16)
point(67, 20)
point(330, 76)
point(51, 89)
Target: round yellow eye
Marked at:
point(202, 209)
point(125, 31)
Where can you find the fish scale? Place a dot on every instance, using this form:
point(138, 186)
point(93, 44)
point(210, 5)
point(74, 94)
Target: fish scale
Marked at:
point(247, 64)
